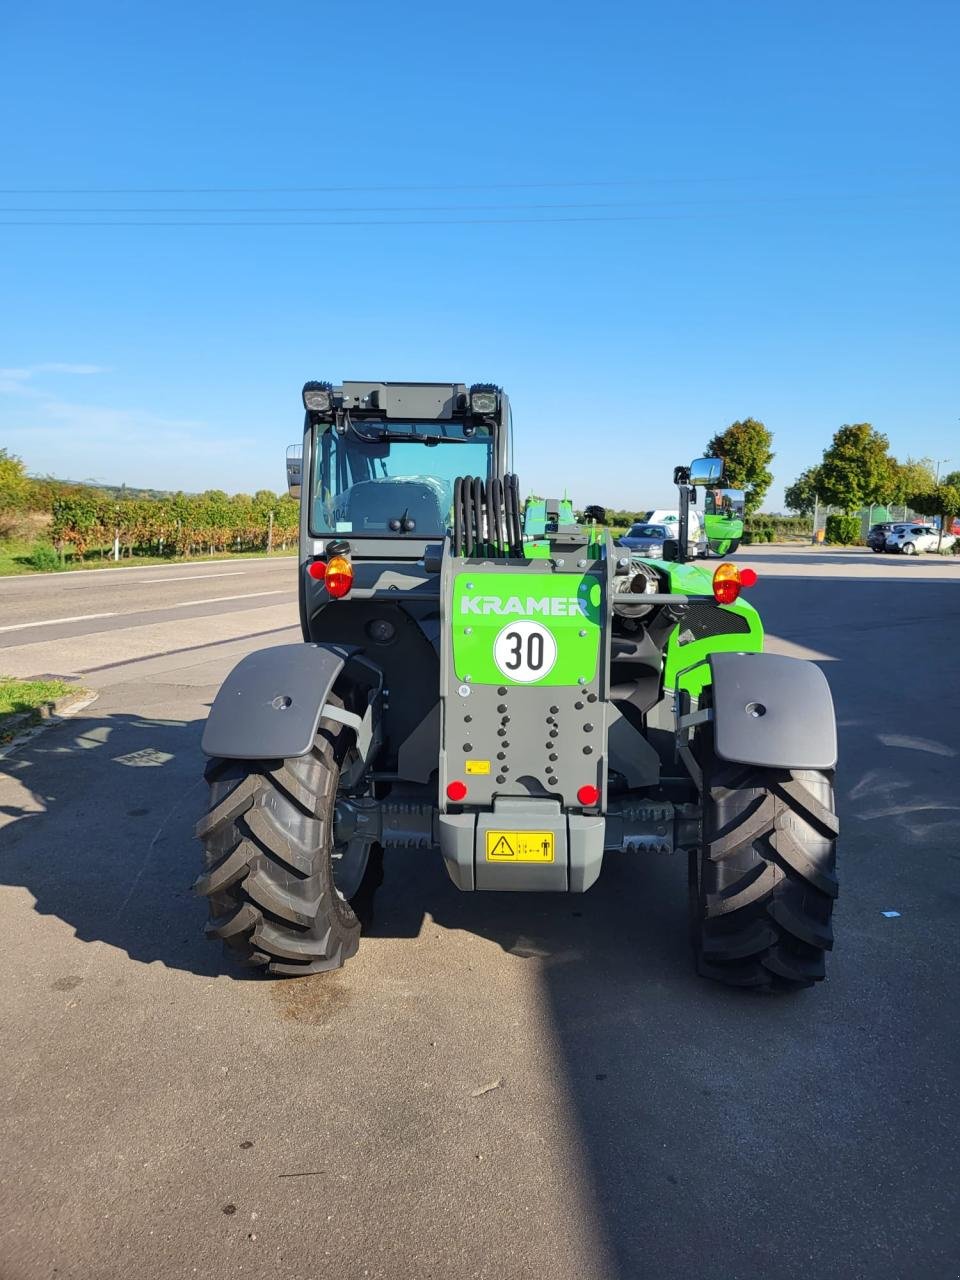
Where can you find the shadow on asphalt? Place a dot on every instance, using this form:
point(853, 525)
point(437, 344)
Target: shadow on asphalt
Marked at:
point(724, 1133)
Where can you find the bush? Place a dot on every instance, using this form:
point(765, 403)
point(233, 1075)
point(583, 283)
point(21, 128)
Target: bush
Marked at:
point(44, 558)
point(843, 531)
point(747, 538)
point(768, 535)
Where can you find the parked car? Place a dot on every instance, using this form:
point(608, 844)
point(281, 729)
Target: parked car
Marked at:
point(650, 539)
point(877, 537)
point(908, 539)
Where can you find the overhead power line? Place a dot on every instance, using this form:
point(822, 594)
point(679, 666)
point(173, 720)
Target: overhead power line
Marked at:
point(437, 186)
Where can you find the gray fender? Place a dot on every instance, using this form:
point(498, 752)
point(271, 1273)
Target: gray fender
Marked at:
point(773, 711)
point(269, 706)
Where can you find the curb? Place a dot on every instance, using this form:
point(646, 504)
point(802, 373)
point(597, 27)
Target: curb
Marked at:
point(17, 729)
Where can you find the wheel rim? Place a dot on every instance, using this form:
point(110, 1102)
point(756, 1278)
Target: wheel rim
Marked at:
point(349, 865)
point(908, 549)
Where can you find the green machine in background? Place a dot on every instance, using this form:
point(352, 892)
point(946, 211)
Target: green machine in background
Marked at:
point(723, 519)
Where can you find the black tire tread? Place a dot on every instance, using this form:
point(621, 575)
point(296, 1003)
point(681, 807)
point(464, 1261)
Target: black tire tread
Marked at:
point(267, 839)
point(764, 878)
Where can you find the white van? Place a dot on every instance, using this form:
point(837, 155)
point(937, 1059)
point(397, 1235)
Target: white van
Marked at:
point(696, 537)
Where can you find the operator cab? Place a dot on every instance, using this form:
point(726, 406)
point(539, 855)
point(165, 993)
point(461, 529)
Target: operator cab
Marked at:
point(380, 459)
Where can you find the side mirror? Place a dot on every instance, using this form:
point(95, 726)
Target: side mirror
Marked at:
point(294, 469)
point(704, 471)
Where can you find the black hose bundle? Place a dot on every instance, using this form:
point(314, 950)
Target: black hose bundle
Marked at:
point(487, 517)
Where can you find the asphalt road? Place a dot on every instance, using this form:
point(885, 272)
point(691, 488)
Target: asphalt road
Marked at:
point(164, 1117)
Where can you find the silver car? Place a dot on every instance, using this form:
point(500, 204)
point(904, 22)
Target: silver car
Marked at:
point(908, 539)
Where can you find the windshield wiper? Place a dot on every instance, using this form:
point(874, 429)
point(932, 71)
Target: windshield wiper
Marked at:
point(408, 437)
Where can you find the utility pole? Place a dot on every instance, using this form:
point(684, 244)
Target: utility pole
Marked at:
point(270, 534)
point(942, 516)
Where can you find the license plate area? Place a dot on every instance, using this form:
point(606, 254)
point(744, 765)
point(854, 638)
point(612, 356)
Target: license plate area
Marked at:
point(519, 846)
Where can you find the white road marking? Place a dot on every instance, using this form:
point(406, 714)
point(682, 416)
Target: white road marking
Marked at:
point(182, 604)
point(53, 622)
point(28, 578)
point(187, 577)
point(250, 595)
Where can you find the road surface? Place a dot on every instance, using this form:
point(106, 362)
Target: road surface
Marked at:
point(497, 1086)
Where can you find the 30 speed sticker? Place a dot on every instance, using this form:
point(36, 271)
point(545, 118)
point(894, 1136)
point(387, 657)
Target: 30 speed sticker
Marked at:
point(525, 651)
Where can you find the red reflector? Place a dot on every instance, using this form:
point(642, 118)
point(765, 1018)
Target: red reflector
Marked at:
point(456, 791)
point(339, 576)
point(748, 577)
point(588, 796)
point(317, 569)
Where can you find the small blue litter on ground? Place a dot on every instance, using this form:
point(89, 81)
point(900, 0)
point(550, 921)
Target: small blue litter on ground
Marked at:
point(891, 915)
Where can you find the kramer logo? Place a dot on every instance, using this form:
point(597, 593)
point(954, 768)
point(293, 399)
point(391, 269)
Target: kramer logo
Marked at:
point(549, 606)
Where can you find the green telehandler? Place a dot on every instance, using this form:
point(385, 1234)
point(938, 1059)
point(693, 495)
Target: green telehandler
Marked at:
point(485, 677)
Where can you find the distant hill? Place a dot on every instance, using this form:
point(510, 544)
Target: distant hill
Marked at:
point(114, 490)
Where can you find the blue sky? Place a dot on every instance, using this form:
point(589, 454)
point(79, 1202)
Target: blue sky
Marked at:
point(644, 220)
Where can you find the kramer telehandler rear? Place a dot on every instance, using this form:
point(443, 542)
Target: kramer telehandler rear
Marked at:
point(483, 676)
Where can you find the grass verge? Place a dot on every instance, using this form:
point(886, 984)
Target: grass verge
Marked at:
point(19, 697)
point(15, 558)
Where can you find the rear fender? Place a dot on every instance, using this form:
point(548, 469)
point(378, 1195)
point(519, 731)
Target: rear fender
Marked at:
point(767, 710)
point(270, 705)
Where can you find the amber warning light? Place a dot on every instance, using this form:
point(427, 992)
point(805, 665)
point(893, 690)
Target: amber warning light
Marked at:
point(336, 574)
point(729, 581)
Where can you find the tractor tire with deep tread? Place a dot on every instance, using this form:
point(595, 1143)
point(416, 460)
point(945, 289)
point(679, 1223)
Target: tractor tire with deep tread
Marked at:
point(268, 845)
point(763, 882)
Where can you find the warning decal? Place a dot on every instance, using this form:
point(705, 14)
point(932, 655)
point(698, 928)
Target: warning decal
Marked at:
point(520, 846)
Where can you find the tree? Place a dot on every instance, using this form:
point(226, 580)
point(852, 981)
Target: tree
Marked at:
point(746, 453)
point(856, 468)
point(802, 495)
point(915, 475)
point(14, 484)
point(943, 501)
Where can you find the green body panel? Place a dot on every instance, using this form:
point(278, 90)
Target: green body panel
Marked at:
point(535, 518)
point(692, 580)
point(568, 605)
point(679, 656)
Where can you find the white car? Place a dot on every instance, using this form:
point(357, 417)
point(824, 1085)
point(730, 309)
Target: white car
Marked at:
point(911, 538)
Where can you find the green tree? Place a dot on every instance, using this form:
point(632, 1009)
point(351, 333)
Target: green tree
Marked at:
point(943, 500)
point(745, 448)
point(802, 495)
point(856, 468)
point(14, 483)
point(915, 475)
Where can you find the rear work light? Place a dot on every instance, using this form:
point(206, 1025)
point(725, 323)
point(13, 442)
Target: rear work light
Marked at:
point(339, 576)
point(729, 581)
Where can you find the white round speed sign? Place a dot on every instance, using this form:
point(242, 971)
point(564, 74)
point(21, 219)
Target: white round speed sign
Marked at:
point(525, 651)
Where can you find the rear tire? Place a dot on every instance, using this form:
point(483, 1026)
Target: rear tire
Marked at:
point(269, 856)
point(909, 549)
point(763, 882)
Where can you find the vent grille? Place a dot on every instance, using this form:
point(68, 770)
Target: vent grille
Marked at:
point(704, 620)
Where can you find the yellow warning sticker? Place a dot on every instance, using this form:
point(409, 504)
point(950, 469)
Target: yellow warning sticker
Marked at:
point(519, 846)
point(476, 766)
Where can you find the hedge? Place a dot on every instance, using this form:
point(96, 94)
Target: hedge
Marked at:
point(843, 530)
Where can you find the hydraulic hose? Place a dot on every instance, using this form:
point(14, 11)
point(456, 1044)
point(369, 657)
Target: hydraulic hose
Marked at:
point(458, 516)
